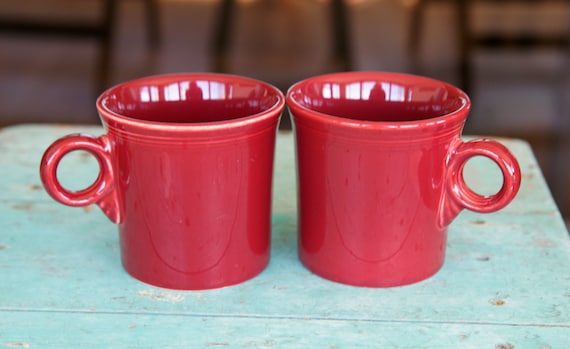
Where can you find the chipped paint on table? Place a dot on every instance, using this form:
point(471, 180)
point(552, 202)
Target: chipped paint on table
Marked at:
point(505, 283)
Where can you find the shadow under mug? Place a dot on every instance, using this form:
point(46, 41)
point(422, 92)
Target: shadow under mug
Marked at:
point(380, 167)
point(186, 172)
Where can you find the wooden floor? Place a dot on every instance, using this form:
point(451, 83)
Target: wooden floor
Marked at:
point(282, 41)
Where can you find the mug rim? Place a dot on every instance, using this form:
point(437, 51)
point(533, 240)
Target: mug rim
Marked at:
point(318, 116)
point(120, 119)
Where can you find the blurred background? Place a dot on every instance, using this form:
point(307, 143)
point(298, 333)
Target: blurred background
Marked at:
point(512, 57)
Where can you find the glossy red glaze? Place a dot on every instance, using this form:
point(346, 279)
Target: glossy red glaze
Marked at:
point(185, 170)
point(380, 161)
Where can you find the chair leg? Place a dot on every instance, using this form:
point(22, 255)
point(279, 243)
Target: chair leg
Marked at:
point(153, 23)
point(222, 23)
point(416, 25)
point(105, 37)
point(465, 45)
point(340, 34)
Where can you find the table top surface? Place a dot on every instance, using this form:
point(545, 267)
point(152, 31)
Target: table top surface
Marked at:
point(505, 282)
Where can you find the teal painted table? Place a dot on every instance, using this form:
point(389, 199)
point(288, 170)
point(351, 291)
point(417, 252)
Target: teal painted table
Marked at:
point(505, 283)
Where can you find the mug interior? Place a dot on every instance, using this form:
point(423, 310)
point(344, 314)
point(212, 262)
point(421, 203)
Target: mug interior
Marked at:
point(190, 99)
point(378, 97)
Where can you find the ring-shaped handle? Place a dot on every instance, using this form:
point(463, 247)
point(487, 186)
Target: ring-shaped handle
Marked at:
point(102, 191)
point(463, 195)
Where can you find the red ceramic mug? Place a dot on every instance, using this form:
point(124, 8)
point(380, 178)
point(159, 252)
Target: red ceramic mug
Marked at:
point(380, 161)
point(186, 172)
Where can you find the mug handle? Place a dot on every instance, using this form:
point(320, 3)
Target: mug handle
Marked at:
point(102, 192)
point(459, 193)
